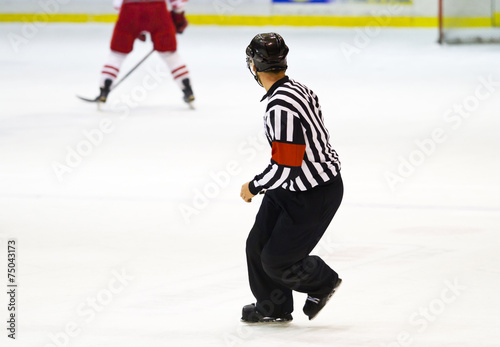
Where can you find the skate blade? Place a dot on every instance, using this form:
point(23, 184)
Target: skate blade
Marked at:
point(268, 320)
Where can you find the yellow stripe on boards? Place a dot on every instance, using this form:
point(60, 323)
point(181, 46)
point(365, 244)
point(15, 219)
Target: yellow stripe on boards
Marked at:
point(497, 19)
point(478, 22)
point(328, 21)
point(58, 18)
point(299, 21)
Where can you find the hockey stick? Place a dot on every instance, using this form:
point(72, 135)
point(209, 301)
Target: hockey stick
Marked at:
point(133, 69)
point(122, 79)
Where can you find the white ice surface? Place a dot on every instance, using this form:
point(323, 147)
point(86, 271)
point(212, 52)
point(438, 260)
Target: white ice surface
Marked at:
point(118, 210)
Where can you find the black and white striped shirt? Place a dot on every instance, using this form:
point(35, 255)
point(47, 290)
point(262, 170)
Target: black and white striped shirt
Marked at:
point(302, 157)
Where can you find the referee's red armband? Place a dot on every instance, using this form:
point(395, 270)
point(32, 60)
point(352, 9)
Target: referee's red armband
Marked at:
point(288, 154)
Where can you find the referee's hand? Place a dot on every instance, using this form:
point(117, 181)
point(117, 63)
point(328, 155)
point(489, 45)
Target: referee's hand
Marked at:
point(245, 193)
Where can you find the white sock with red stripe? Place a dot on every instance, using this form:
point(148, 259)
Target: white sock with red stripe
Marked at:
point(176, 66)
point(112, 66)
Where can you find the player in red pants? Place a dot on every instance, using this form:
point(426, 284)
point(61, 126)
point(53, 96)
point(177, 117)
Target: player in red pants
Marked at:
point(137, 17)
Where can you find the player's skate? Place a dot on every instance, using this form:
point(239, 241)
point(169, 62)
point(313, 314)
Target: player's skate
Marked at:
point(103, 95)
point(251, 315)
point(105, 91)
point(188, 92)
point(315, 303)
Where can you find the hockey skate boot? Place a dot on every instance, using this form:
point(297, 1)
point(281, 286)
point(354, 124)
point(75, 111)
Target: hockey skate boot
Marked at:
point(315, 303)
point(105, 91)
point(251, 315)
point(188, 91)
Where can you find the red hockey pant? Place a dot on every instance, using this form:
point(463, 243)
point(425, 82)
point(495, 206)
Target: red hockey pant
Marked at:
point(152, 17)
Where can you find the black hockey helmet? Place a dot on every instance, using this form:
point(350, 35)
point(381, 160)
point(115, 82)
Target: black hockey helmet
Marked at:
point(267, 52)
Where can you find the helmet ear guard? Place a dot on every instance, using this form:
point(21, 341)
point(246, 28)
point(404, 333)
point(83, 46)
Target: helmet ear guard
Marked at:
point(251, 66)
point(250, 51)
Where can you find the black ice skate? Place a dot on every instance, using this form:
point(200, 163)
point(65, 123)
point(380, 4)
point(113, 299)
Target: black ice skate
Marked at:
point(102, 96)
point(188, 91)
point(251, 315)
point(315, 303)
point(105, 91)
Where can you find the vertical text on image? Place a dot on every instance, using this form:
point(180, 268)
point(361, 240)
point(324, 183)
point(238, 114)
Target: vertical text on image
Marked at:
point(12, 291)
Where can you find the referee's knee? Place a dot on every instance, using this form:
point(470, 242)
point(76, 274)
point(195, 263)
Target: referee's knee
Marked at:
point(274, 267)
point(252, 246)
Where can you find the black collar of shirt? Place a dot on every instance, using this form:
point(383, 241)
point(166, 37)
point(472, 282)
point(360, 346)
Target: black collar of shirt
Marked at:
point(275, 86)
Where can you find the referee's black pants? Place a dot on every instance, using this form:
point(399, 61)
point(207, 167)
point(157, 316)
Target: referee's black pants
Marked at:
point(287, 228)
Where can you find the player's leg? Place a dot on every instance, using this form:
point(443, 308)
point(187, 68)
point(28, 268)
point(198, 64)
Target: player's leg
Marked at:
point(180, 73)
point(110, 72)
point(273, 299)
point(163, 35)
point(122, 43)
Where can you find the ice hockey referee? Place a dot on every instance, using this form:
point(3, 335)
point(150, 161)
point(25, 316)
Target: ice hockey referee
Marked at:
point(303, 192)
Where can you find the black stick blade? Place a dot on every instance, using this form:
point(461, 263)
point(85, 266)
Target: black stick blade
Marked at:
point(88, 100)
